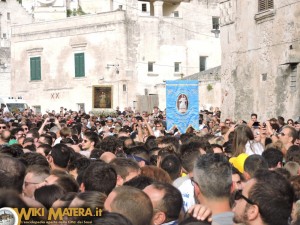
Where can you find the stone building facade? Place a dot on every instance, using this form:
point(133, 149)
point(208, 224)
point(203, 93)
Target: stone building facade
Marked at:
point(123, 48)
point(260, 58)
point(11, 13)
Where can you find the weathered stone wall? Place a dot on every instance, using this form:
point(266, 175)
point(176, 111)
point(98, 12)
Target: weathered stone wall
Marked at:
point(258, 51)
point(11, 13)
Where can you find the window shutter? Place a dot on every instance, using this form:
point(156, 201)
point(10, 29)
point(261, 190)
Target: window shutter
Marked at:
point(265, 4)
point(38, 68)
point(270, 4)
point(35, 68)
point(261, 5)
point(79, 65)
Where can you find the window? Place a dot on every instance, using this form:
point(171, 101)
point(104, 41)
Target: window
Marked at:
point(79, 65)
point(177, 67)
point(202, 60)
point(176, 14)
point(4, 35)
point(37, 108)
point(35, 68)
point(216, 23)
point(150, 66)
point(293, 77)
point(124, 87)
point(8, 16)
point(265, 4)
point(144, 7)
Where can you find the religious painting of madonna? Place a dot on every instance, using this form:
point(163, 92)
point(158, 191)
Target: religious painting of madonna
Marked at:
point(102, 97)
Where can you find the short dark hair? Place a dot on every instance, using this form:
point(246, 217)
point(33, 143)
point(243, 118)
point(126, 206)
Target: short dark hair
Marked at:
point(139, 182)
point(48, 194)
point(273, 156)
point(92, 200)
point(34, 133)
point(150, 143)
point(14, 150)
point(80, 164)
point(46, 148)
point(141, 152)
point(254, 114)
point(16, 130)
point(99, 176)
point(109, 144)
point(280, 120)
point(185, 138)
point(96, 153)
point(110, 218)
point(92, 136)
point(33, 158)
point(67, 182)
point(172, 165)
point(253, 163)
point(189, 154)
point(124, 166)
point(194, 221)
point(61, 155)
point(48, 139)
point(169, 140)
point(172, 201)
point(274, 196)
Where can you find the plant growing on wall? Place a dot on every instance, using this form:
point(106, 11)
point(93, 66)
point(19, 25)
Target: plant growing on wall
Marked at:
point(75, 12)
point(69, 12)
point(209, 87)
point(80, 11)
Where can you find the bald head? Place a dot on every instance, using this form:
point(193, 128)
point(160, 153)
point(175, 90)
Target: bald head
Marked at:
point(107, 157)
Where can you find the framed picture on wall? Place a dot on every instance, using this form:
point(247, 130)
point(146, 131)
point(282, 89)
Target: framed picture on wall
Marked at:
point(102, 97)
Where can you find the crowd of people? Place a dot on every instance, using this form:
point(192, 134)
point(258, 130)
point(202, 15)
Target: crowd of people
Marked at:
point(139, 173)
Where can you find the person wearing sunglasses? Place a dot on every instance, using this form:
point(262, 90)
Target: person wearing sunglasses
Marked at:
point(265, 199)
point(3, 126)
point(89, 141)
point(288, 136)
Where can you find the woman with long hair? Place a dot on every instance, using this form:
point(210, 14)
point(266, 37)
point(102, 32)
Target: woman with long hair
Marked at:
point(243, 141)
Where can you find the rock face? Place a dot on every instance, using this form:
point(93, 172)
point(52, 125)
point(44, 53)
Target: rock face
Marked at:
point(260, 59)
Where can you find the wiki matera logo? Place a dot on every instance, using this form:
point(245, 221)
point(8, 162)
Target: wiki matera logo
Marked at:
point(8, 216)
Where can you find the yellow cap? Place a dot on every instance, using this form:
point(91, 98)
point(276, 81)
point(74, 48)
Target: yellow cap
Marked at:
point(238, 162)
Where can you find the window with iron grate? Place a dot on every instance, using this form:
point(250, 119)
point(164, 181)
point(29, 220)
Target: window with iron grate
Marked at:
point(265, 4)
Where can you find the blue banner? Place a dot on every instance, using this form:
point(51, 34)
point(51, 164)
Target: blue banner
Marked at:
point(182, 104)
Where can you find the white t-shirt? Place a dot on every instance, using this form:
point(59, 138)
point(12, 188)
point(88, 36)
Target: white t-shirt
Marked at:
point(187, 191)
point(253, 147)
